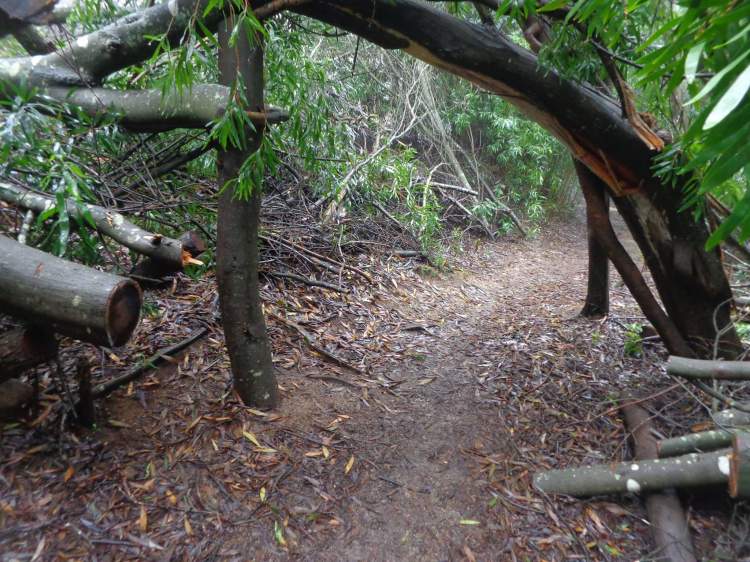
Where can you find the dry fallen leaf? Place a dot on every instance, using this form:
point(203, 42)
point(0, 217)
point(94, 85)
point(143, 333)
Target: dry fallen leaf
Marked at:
point(188, 526)
point(349, 465)
point(171, 497)
point(69, 474)
point(143, 520)
point(252, 438)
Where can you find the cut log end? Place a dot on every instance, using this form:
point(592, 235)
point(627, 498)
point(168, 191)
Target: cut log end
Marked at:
point(123, 312)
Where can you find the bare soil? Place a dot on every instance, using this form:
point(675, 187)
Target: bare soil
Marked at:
point(459, 387)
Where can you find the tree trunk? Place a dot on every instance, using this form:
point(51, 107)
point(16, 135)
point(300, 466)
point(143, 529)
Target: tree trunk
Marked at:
point(66, 297)
point(237, 239)
point(592, 187)
point(597, 293)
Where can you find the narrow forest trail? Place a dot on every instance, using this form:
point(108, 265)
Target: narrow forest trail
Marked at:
point(499, 358)
point(459, 387)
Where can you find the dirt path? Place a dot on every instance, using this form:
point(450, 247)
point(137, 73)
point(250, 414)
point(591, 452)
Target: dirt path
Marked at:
point(472, 381)
point(443, 460)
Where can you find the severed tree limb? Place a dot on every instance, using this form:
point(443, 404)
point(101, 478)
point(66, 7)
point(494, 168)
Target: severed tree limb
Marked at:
point(668, 523)
point(707, 369)
point(111, 223)
point(695, 443)
point(154, 111)
point(92, 57)
point(635, 477)
point(66, 297)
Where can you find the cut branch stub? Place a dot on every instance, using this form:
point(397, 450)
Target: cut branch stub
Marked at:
point(66, 297)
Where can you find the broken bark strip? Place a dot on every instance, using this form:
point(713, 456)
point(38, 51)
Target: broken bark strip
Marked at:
point(695, 443)
point(687, 471)
point(706, 369)
point(166, 250)
point(66, 297)
point(668, 522)
point(24, 348)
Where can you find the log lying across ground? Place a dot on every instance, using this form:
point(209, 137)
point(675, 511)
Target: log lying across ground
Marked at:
point(707, 369)
point(695, 443)
point(668, 522)
point(726, 466)
point(638, 476)
point(66, 297)
point(167, 251)
point(24, 348)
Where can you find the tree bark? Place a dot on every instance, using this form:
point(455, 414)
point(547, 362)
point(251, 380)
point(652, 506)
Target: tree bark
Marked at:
point(24, 348)
point(66, 297)
point(668, 523)
point(690, 281)
point(237, 238)
point(597, 292)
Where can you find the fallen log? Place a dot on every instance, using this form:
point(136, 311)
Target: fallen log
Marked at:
point(707, 369)
point(66, 297)
point(668, 523)
point(686, 471)
point(14, 396)
point(695, 443)
point(24, 348)
point(166, 250)
point(732, 418)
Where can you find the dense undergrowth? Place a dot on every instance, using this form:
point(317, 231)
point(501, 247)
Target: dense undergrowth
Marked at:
point(370, 134)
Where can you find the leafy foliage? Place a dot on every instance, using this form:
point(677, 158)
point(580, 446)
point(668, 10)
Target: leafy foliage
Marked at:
point(693, 57)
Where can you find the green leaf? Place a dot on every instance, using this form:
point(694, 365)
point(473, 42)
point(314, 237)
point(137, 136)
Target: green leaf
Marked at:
point(731, 99)
point(711, 84)
point(692, 60)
